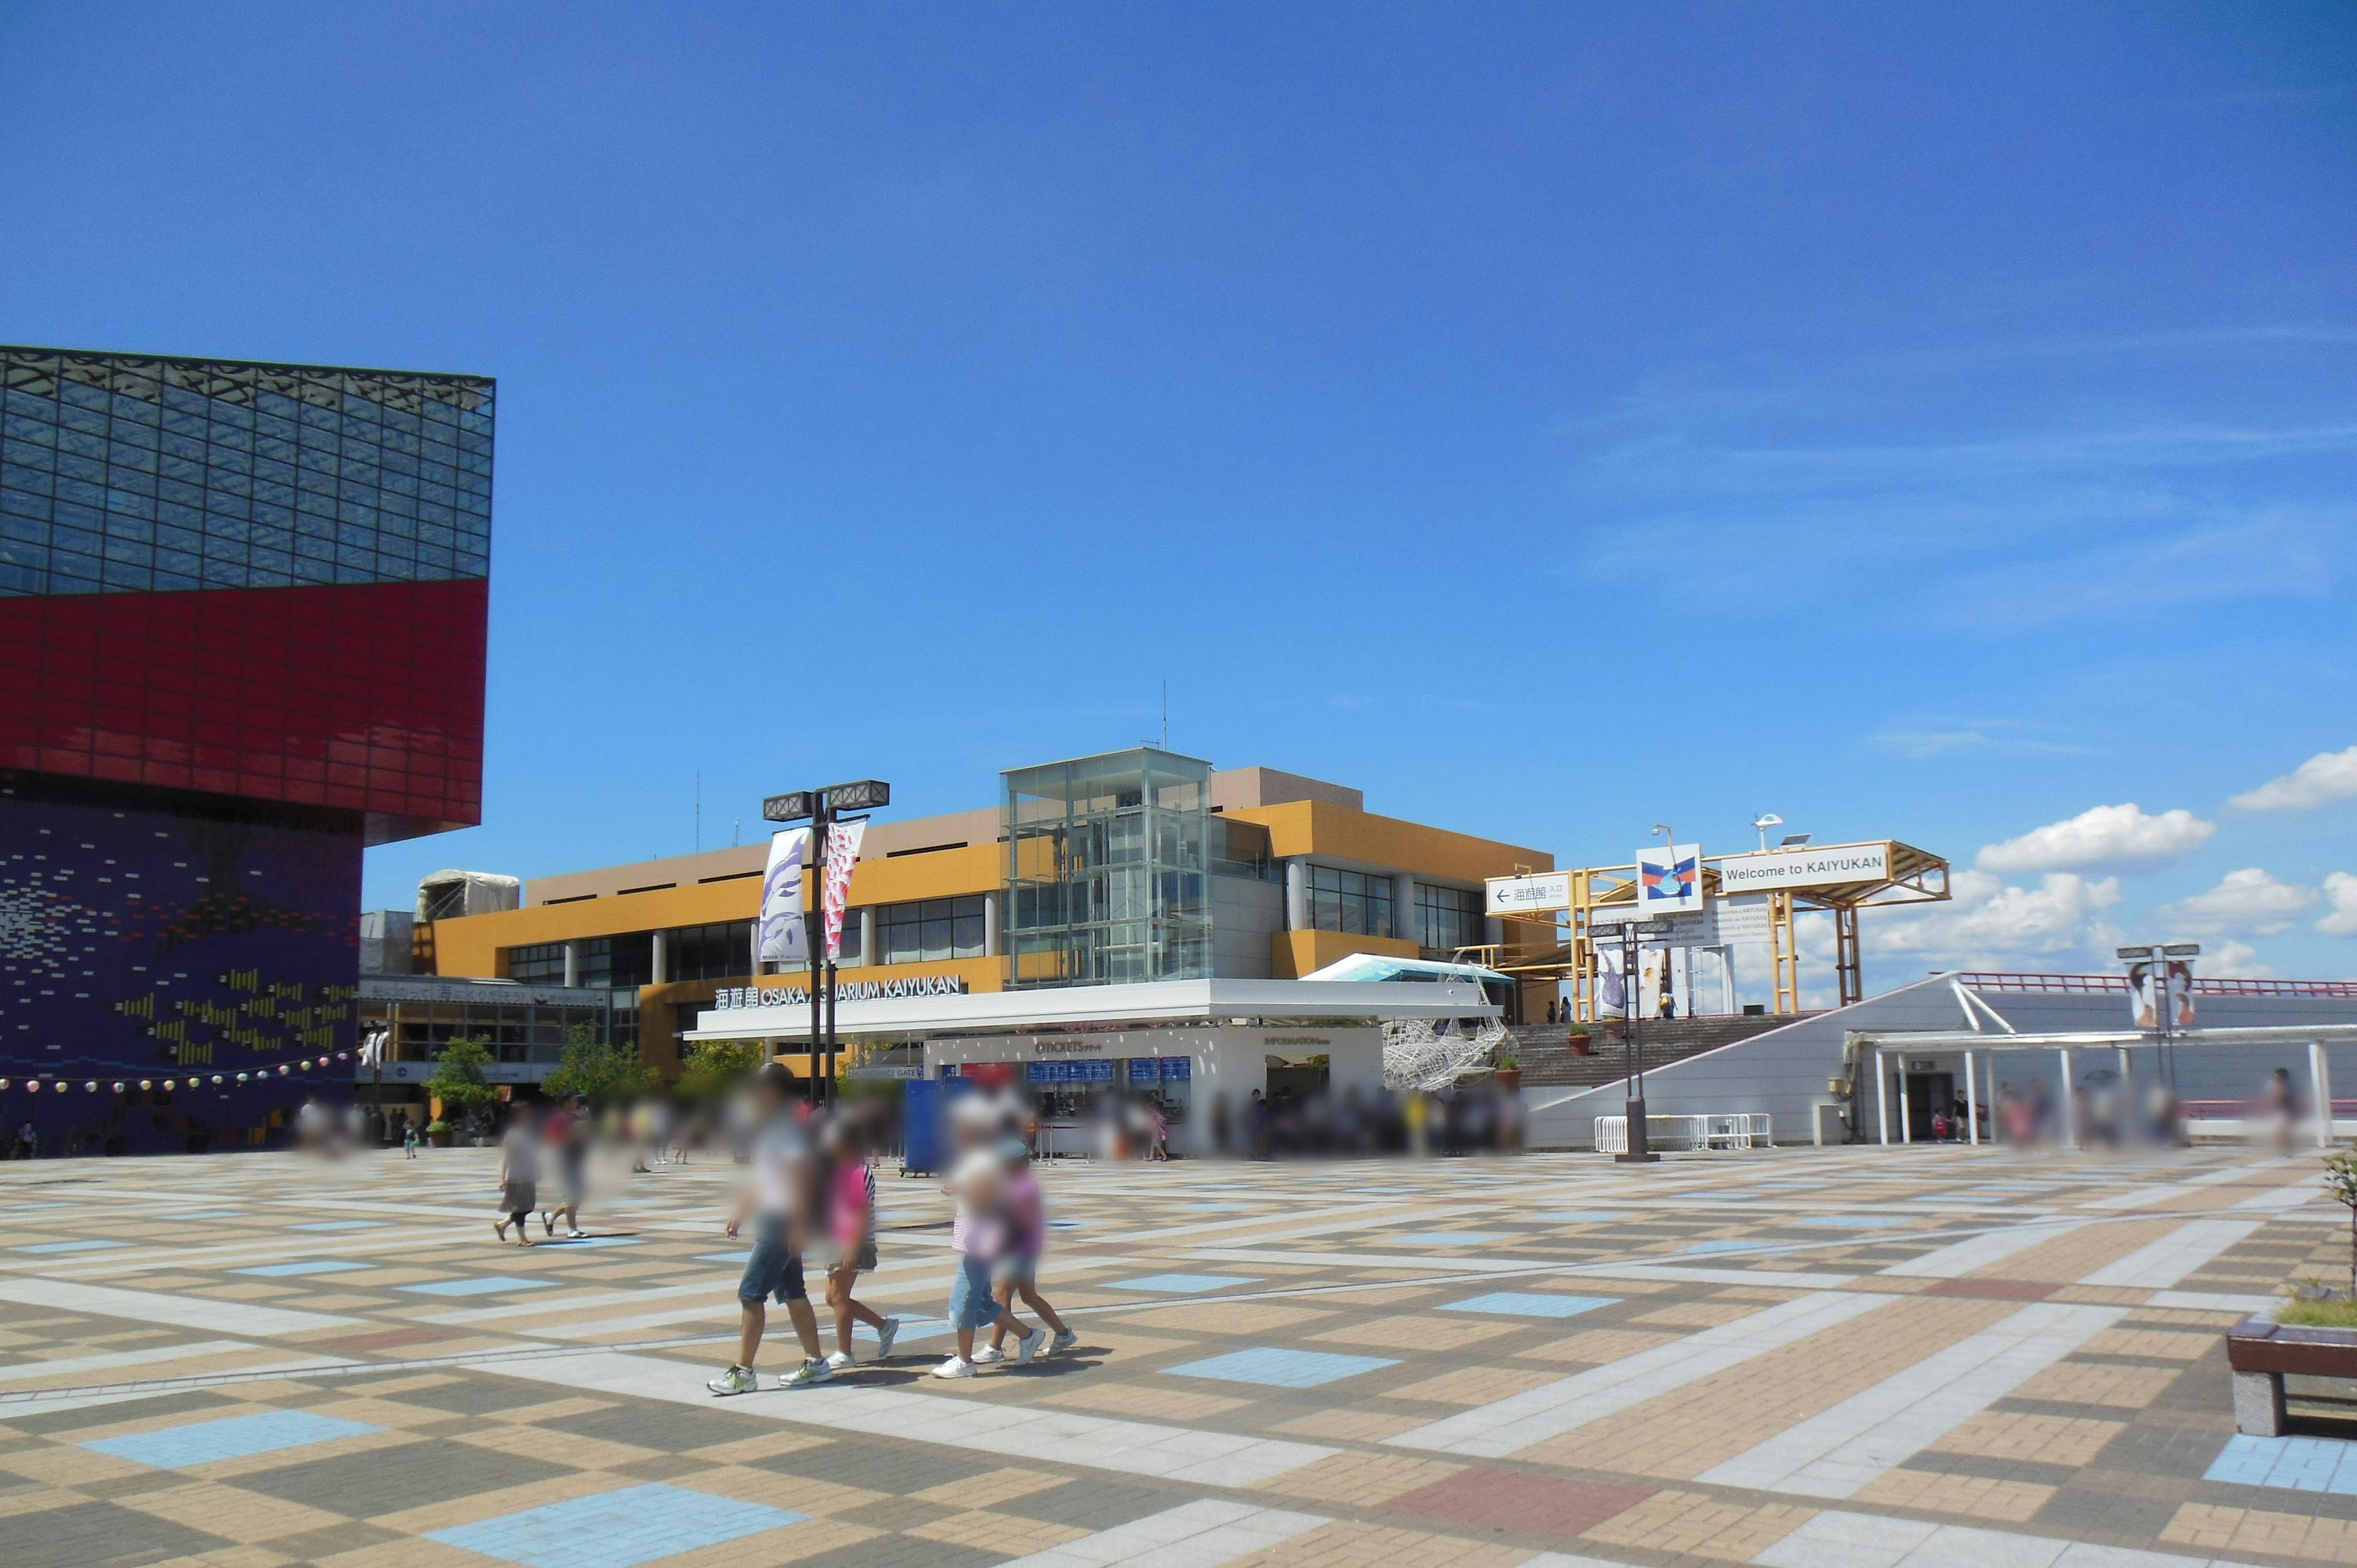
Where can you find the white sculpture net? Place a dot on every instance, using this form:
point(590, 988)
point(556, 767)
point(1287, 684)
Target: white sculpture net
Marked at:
point(1417, 1056)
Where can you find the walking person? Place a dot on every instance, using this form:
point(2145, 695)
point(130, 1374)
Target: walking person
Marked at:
point(408, 1138)
point(519, 1178)
point(782, 1201)
point(851, 1219)
point(2279, 1104)
point(568, 1144)
point(977, 1235)
point(1017, 1269)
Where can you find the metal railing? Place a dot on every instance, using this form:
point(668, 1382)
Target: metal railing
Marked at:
point(2118, 985)
point(1746, 1130)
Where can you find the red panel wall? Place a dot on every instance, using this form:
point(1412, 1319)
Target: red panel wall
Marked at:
point(364, 697)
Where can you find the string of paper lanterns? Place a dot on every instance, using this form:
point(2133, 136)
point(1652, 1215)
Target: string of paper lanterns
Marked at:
point(92, 1086)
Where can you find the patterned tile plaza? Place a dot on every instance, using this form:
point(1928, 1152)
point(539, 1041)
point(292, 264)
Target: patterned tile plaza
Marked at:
point(1829, 1358)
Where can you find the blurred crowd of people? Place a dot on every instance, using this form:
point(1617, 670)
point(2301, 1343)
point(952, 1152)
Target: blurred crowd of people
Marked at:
point(1467, 1119)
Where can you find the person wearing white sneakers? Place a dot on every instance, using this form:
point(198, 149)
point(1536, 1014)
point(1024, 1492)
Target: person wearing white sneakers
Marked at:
point(1017, 1268)
point(783, 1194)
point(851, 1200)
point(977, 1234)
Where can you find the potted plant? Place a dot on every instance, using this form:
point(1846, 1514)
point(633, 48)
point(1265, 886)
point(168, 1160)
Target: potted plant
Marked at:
point(437, 1132)
point(1508, 1072)
point(1577, 1038)
point(460, 1082)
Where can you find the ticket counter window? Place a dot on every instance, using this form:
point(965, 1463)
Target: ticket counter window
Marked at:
point(1170, 1079)
point(1065, 1091)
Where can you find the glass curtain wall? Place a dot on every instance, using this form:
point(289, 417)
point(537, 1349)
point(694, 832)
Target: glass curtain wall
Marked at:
point(1106, 860)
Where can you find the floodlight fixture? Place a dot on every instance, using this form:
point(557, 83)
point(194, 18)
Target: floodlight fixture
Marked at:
point(1762, 823)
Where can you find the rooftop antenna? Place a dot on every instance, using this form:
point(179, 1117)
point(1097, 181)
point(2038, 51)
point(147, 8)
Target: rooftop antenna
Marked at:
point(1763, 822)
point(1166, 713)
point(699, 811)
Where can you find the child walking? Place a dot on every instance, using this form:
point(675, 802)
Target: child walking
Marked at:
point(978, 1235)
point(851, 1221)
point(1017, 1268)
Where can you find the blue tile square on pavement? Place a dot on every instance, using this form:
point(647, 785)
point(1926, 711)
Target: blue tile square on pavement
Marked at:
point(2293, 1463)
point(341, 1225)
point(69, 1245)
point(744, 1257)
point(485, 1285)
point(616, 1529)
point(293, 1271)
point(1531, 1304)
point(233, 1437)
point(1449, 1238)
point(1280, 1369)
point(1180, 1285)
point(1728, 1244)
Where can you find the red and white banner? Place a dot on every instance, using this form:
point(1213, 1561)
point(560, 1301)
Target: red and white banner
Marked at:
point(842, 853)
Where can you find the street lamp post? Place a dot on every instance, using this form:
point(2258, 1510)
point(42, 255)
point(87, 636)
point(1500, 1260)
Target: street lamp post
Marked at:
point(2156, 957)
point(821, 809)
point(1639, 1151)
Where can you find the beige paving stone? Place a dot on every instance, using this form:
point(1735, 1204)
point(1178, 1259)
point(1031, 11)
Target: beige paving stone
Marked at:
point(416, 1552)
point(814, 1538)
point(385, 1387)
point(1347, 1543)
point(1416, 1332)
point(1695, 1314)
point(2214, 1528)
point(1972, 1496)
point(1695, 1525)
point(230, 1512)
point(556, 1448)
point(1144, 1401)
point(381, 1412)
point(2182, 1317)
point(334, 1448)
point(767, 1445)
point(2151, 1344)
point(1474, 1385)
point(1360, 1480)
point(2101, 1295)
point(38, 1499)
point(1228, 1318)
point(2034, 1439)
point(1351, 1425)
point(1596, 1345)
point(554, 1410)
point(799, 1493)
point(985, 1532)
point(1679, 1435)
point(2069, 1258)
point(2118, 1387)
point(69, 1467)
point(229, 1557)
point(991, 1488)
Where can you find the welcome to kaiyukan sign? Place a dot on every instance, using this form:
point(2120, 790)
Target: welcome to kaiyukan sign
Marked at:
point(732, 996)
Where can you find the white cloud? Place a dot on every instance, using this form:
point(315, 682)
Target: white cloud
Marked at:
point(2327, 776)
point(2233, 960)
point(1989, 923)
point(2340, 891)
point(2103, 838)
point(2248, 900)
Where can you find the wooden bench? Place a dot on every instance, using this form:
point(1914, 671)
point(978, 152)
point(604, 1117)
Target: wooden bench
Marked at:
point(2260, 1352)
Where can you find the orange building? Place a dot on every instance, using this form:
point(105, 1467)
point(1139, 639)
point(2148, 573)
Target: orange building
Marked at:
point(1139, 865)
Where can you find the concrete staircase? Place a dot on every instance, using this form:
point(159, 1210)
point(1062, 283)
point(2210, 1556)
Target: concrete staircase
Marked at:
point(1549, 1063)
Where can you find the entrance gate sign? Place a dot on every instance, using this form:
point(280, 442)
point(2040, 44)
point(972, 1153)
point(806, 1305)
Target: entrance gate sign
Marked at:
point(1828, 867)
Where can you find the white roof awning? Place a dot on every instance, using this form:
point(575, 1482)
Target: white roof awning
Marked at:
point(1070, 1006)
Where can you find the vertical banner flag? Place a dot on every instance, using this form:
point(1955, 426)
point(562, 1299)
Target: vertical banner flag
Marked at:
point(780, 939)
point(842, 853)
point(2146, 987)
point(1669, 881)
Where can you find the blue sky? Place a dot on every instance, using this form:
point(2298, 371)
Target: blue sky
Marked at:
point(1549, 419)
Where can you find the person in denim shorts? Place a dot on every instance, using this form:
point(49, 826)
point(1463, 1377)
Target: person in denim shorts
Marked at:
point(782, 1202)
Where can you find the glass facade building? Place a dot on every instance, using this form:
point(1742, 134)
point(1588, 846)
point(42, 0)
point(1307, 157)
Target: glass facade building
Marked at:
point(241, 636)
point(1107, 866)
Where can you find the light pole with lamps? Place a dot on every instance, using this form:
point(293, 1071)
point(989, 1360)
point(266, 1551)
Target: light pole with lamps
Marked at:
point(821, 809)
point(1639, 1151)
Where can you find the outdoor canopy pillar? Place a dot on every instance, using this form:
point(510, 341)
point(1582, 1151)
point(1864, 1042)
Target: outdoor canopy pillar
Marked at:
point(1905, 1118)
point(989, 927)
point(572, 963)
point(2319, 1082)
point(2070, 1111)
point(1882, 1096)
point(1296, 894)
point(660, 965)
point(1972, 1100)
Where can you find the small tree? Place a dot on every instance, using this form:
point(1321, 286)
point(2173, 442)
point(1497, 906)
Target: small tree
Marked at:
point(2340, 1180)
point(599, 1071)
point(715, 1067)
point(460, 1080)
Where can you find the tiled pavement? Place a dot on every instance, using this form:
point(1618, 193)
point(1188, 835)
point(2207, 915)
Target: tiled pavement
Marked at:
point(1842, 1358)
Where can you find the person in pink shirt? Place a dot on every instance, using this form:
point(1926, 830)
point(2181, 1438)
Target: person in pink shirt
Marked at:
point(1016, 1268)
point(851, 1222)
